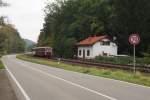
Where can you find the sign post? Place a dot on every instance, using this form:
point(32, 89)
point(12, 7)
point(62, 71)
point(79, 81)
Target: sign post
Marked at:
point(134, 40)
point(134, 61)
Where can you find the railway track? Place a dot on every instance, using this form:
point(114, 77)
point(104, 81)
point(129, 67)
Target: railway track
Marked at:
point(145, 69)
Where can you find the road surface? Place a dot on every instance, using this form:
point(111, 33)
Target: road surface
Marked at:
point(6, 91)
point(39, 82)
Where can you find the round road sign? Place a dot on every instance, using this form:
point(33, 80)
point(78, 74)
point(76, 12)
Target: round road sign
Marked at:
point(134, 39)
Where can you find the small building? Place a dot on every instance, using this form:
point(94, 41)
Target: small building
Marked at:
point(96, 46)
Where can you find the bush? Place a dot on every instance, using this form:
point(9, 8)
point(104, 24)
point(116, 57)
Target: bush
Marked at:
point(1, 65)
point(123, 60)
point(114, 60)
point(64, 47)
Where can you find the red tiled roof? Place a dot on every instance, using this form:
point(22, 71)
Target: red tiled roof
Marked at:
point(92, 40)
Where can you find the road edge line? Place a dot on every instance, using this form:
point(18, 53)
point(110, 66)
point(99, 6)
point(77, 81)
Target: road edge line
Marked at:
point(26, 97)
point(69, 82)
point(122, 82)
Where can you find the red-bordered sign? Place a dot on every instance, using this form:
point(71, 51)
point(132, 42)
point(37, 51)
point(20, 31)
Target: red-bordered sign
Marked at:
point(134, 39)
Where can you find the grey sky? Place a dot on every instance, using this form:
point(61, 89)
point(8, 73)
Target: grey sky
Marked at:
point(27, 16)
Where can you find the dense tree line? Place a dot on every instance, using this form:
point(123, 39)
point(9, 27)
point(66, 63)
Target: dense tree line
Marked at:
point(69, 21)
point(10, 40)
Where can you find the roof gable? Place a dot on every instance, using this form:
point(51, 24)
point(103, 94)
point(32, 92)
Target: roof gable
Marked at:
point(92, 40)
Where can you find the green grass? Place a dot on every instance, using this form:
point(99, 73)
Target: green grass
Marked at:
point(115, 60)
point(139, 78)
point(123, 60)
point(1, 65)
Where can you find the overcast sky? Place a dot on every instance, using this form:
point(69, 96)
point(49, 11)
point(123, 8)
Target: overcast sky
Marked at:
point(27, 16)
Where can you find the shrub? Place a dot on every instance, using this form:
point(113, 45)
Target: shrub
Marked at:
point(123, 60)
point(114, 60)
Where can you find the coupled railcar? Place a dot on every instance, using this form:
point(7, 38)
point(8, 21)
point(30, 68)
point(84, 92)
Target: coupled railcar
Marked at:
point(43, 52)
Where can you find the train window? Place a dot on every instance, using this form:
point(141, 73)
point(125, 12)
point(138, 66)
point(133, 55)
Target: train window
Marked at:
point(88, 52)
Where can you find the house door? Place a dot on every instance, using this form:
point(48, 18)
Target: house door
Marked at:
point(83, 54)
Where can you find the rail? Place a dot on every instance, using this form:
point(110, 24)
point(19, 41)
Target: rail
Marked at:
point(89, 63)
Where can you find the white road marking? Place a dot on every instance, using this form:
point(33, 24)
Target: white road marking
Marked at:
point(69, 82)
point(123, 82)
point(17, 83)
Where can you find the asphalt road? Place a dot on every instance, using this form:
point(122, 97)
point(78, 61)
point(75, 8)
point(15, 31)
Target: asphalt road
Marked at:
point(40, 82)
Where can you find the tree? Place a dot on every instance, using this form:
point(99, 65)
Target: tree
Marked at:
point(80, 19)
point(3, 4)
point(2, 45)
point(64, 47)
point(10, 40)
point(76, 19)
point(131, 16)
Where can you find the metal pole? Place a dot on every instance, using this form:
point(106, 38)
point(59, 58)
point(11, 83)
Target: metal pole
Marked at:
point(134, 61)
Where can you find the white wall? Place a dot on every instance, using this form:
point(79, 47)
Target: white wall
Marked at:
point(98, 49)
point(90, 48)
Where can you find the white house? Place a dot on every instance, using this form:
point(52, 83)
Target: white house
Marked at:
point(95, 46)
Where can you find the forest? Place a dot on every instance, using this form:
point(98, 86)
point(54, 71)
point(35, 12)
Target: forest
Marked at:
point(69, 21)
point(10, 40)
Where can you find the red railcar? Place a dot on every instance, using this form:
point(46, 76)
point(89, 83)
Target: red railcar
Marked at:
point(43, 52)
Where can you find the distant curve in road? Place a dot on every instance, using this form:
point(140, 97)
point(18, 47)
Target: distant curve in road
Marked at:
point(41, 82)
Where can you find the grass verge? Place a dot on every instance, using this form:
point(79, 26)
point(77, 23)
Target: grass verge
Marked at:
point(1, 65)
point(139, 78)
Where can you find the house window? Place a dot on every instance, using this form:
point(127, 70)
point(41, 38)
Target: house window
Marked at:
point(101, 43)
point(80, 52)
point(88, 52)
point(107, 43)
